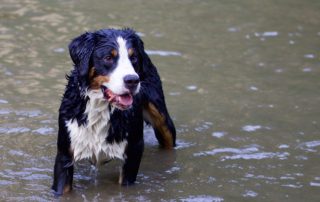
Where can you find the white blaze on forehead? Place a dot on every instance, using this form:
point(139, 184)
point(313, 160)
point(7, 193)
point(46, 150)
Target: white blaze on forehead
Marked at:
point(124, 61)
point(123, 51)
point(123, 68)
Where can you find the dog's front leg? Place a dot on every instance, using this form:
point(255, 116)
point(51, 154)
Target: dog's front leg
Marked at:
point(63, 174)
point(132, 162)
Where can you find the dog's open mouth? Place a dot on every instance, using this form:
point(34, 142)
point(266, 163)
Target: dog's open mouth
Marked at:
point(122, 102)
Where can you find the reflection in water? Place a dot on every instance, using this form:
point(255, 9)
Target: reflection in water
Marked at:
point(240, 79)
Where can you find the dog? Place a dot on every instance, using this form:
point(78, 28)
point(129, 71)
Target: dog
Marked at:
point(113, 89)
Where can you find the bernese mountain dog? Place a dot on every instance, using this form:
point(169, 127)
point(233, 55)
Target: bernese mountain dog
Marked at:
point(113, 89)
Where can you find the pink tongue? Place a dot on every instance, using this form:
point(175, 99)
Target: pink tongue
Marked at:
point(125, 100)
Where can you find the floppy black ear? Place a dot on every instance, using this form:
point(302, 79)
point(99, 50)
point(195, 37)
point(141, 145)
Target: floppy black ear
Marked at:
point(80, 50)
point(155, 109)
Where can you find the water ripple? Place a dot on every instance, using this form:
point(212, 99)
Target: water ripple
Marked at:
point(249, 175)
point(309, 146)
point(203, 126)
point(37, 177)
point(32, 169)
point(295, 186)
point(181, 144)
point(218, 134)
point(250, 193)
point(5, 111)
point(173, 170)
point(14, 130)
point(259, 156)
point(163, 53)
point(251, 128)
point(315, 184)
point(28, 113)
point(227, 150)
point(17, 153)
point(247, 153)
point(3, 101)
point(44, 131)
point(202, 198)
point(6, 182)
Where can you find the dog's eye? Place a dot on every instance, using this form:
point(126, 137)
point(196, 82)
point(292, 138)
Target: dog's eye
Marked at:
point(108, 59)
point(134, 59)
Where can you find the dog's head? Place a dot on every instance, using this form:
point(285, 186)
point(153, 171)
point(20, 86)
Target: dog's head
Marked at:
point(111, 61)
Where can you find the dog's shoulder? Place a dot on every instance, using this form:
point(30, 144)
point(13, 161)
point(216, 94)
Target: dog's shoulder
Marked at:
point(73, 103)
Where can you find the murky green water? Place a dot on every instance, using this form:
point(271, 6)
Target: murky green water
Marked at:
point(241, 80)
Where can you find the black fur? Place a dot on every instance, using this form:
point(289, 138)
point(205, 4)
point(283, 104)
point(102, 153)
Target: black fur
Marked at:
point(127, 124)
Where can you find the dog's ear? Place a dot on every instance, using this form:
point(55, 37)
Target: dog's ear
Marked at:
point(155, 109)
point(80, 50)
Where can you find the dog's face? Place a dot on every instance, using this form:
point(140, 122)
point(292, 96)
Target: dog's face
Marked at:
point(114, 69)
point(109, 60)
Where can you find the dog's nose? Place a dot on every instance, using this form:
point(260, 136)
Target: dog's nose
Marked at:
point(131, 81)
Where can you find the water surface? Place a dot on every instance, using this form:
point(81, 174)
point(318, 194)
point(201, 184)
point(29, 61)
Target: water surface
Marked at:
point(241, 79)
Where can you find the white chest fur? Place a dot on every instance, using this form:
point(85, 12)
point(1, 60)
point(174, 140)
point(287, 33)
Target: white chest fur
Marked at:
point(89, 141)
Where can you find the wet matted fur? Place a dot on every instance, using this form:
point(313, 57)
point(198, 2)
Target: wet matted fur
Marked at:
point(112, 90)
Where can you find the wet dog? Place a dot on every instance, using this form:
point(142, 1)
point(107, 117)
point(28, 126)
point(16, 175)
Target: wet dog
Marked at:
point(112, 90)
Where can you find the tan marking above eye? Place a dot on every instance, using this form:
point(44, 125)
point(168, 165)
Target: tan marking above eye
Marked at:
point(130, 51)
point(114, 53)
